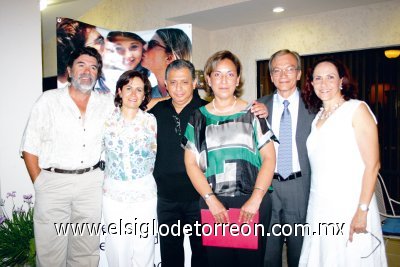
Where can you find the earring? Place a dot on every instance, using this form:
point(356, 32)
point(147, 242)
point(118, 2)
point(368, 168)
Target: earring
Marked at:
point(341, 87)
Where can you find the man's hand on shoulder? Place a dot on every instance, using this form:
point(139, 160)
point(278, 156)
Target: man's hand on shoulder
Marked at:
point(259, 109)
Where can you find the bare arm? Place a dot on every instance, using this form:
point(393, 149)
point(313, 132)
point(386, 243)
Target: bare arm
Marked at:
point(32, 165)
point(366, 134)
point(200, 183)
point(263, 181)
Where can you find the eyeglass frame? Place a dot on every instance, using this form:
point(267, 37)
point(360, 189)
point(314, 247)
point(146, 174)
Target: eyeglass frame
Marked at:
point(372, 252)
point(291, 70)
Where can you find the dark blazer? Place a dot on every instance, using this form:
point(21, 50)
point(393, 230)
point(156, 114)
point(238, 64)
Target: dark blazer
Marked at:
point(303, 128)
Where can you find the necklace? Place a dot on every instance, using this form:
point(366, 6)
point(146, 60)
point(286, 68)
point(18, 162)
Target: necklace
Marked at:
point(225, 111)
point(324, 114)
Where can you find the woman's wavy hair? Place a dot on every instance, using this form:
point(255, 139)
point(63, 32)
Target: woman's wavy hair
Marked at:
point(124, 80)
point(212, 63)
point(349, 87)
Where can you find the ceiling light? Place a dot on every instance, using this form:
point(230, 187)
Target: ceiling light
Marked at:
point(392, 53)
point(43, 4)
point(278, 9)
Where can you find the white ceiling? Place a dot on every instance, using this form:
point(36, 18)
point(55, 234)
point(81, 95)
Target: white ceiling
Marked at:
point(256, 11)
point(248, 12)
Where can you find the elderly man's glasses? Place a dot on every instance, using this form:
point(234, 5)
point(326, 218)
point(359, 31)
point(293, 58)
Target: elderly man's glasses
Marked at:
point(177, 125)
point(153, 43)
point(288, 71)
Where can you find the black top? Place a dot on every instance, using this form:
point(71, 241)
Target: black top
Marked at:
point(173, 183)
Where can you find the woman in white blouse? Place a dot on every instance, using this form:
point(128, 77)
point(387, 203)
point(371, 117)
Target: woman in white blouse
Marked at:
point(129, 191)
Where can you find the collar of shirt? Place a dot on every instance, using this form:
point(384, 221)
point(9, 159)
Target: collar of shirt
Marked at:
point(293, 100)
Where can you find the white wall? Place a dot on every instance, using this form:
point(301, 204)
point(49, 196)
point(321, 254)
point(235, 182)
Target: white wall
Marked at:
point(21, 85)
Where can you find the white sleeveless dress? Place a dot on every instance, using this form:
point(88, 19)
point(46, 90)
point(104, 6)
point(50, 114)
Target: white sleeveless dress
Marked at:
point(336, 177)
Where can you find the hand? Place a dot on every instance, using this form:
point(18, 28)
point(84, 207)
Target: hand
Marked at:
point(358, 224)
point(218, 210)
point(248, 210)
point(259, 109)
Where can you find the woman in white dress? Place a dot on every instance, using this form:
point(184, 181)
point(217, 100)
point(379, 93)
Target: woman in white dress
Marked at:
point(343, 148)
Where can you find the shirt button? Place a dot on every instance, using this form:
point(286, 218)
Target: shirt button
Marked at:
point(84, 145)
point(81, 161)
point(84, 130)
point(80, 117)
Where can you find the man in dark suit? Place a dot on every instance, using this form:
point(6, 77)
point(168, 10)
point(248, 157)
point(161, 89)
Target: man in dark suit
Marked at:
point(291, 122)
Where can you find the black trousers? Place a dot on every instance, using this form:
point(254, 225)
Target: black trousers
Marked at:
point(171, 247)
point(231, 257)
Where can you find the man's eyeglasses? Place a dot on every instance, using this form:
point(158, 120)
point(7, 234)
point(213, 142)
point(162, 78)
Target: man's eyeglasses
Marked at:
point(177, 125)
point(153, 43)
point(288, 71)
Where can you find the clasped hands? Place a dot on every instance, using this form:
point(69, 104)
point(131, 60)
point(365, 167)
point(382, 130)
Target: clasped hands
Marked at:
point(220, 213)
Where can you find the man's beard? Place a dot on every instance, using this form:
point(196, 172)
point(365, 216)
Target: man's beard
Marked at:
point(83, 87)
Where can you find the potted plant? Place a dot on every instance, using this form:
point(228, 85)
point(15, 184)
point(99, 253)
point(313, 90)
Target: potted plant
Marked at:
point(17, 243)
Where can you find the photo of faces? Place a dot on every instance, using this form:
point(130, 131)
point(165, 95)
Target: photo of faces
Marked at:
point(147, 51)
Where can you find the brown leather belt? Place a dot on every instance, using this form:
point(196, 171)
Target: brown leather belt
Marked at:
point(293, 176)
point(78, 171)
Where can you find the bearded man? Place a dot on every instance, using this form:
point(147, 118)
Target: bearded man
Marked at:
point(61, 147)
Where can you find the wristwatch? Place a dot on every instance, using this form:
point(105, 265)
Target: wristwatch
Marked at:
point(363, 207)
point(207, 196)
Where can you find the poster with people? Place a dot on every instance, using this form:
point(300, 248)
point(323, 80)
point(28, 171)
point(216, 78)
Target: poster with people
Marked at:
point(147, 51)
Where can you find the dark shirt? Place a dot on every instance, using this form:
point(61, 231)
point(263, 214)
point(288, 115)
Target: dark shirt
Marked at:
point(173, 183)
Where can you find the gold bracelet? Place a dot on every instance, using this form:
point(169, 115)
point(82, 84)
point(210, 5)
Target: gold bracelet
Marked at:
point(258, 188)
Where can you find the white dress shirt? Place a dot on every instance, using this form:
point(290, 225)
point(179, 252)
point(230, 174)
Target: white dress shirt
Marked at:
point(276, 119)
point(60, 136)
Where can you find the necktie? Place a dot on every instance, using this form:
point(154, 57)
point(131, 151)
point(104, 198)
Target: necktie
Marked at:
point(285, 142)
